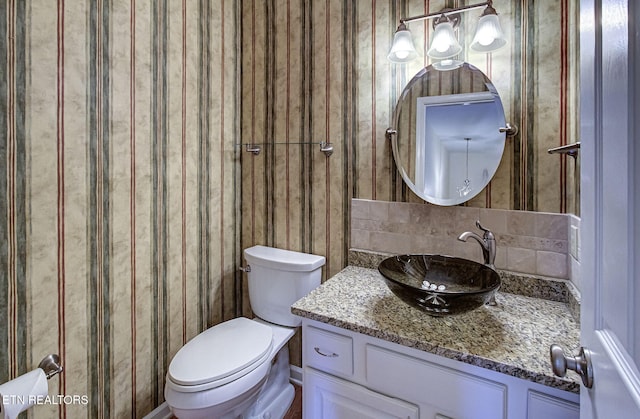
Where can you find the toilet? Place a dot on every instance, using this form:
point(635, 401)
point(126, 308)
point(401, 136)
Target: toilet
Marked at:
point(240, 368)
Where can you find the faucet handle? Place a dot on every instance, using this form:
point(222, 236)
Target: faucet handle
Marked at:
point(487, 233)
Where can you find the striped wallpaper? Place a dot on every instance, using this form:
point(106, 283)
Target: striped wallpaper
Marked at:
point(118, 191)
point(317, 71)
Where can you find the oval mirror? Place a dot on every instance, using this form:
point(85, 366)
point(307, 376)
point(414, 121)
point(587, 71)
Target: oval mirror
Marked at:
point(449, 134)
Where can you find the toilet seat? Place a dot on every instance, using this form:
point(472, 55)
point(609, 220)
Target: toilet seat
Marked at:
point(220, 355)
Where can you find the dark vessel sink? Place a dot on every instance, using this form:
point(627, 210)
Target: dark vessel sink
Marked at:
point(439, 285)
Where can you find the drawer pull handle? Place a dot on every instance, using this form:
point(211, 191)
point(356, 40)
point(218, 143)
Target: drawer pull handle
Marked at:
point(331, 355)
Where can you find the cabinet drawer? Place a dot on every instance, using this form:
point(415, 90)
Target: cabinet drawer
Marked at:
point(328, 351)
point(447, 392)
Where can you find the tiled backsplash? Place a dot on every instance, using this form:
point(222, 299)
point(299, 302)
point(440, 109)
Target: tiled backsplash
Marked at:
point(527, 242)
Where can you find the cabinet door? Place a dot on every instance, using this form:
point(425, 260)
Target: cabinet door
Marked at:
point(544, 406)
point(328, 397)
point(444, 391)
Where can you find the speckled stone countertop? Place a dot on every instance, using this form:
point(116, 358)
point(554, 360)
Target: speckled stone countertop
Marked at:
point(512, 338)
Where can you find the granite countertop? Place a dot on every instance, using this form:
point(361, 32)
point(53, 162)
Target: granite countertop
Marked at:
point(512, 338)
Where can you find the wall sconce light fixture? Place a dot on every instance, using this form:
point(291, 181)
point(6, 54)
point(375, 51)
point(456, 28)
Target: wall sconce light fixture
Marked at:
point(402, 49)
point(444, 45)
point(489, 36)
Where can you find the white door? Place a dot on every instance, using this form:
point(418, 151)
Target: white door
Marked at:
point(610, 205)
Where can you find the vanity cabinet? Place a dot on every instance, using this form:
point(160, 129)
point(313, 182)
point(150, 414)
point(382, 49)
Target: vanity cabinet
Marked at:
point(351, 375)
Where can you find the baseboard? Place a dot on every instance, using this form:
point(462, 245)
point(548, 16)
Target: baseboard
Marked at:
point(163, 411)
point(295, 375)
point(160, 412)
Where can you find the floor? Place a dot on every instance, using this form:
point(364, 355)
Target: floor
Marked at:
point(295, 411)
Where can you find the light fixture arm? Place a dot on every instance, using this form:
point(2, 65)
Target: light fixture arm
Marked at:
point(446, 12)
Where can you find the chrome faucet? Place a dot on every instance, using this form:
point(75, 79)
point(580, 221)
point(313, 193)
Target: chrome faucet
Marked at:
point(488, 244)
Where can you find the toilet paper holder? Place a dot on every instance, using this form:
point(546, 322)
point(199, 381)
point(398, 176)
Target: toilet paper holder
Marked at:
point(50, 364)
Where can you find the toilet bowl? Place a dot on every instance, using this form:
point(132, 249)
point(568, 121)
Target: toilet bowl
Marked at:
point(240, 368)
point(225, 381)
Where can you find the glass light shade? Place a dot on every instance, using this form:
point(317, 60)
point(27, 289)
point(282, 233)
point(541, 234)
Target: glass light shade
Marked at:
point(489, 36)
point(402, 49)
point(444, 43)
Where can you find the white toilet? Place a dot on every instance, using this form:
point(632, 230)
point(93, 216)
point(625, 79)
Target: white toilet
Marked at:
point(240, 368)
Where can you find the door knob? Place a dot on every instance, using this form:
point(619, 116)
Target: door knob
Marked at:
point(581, 364)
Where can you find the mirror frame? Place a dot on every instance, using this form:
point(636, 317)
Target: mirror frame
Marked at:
point(503, 129)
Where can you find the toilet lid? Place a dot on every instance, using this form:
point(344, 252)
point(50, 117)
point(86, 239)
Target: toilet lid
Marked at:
point(221, 351)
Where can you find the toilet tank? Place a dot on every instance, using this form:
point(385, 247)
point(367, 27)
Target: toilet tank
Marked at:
point(277, 279)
